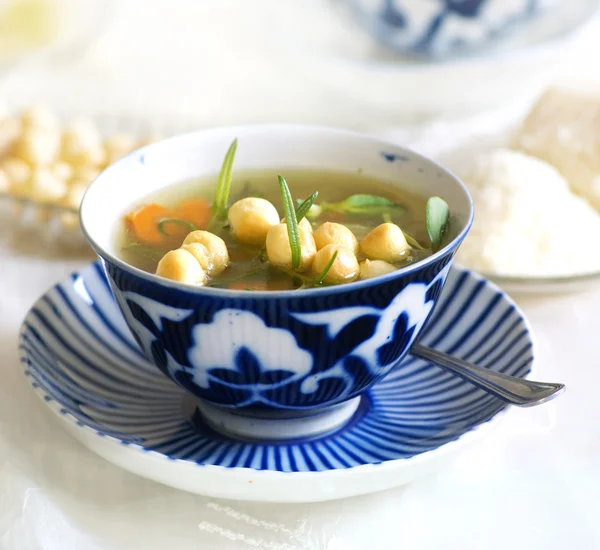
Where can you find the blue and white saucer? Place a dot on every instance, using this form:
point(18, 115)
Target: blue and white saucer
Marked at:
point(81, 359)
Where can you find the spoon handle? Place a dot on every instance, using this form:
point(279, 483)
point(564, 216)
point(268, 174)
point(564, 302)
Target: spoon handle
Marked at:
point(517, 391)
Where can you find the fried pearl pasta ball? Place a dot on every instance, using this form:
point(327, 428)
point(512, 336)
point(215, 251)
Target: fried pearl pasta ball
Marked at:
point(38, 146)
point(40, 116)
point(45, 186)
point(279, 250)
point(251, 219)
point(386, 242)
point(10, 130)
point(4, 182)
point(117, 146)
point(62, 170)
point(148, 140)
point(375, 268)
point(335, 233)
point(18, 173)
point(216, 247)
point(304, 223)
point(201, 253)
point(344, 269)
point(81, 144)
point(85, 173)
point(179, 265)
point(74, 195)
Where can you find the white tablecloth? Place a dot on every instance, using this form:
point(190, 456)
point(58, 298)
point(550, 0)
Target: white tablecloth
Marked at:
point(533, 482)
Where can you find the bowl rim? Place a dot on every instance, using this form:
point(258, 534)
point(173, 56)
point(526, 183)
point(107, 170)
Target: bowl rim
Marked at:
point(305, 292)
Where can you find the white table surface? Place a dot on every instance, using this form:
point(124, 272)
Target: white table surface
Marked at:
point(533, 482)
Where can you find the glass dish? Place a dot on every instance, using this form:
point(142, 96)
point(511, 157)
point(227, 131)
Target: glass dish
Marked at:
point(56, 225)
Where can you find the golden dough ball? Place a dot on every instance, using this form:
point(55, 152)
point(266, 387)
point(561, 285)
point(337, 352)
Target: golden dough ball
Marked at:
point(85, 172)
point(62, 170)
point(304, 223)
point(38, 146)
point(179, 265)
point(279, 251)
point(217, 249)
point(69, 220)
point(344, 269)
point(375, 268)
point(81, 144)
point(40, 116)
point(148, 140)
point(18, 173)
point(386, 242)
point(201, 253)
point(251, 218)
point(74, 194)
point(117, 146)
point(335, 233)
point(10, 130)
point(4, 182)
point(44, 186)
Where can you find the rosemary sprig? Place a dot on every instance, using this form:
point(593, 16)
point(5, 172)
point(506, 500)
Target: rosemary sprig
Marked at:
point(219, 207)
point(305, 206)
point(291, 222)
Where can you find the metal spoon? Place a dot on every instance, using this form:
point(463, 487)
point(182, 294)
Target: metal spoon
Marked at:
point(517, 391)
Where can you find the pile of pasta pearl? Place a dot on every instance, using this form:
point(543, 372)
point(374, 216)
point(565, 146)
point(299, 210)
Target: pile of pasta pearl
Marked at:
point(53, 164)
point(256, 222)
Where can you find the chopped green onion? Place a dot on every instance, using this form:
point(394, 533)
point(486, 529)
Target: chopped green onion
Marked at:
point(291, 222)
point(437, 214)
point(183, 223)
point(363, 205)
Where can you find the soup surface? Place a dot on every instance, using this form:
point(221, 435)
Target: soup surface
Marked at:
point(370, 209)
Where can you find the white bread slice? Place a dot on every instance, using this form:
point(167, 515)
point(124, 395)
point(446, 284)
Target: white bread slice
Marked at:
point(563, 129)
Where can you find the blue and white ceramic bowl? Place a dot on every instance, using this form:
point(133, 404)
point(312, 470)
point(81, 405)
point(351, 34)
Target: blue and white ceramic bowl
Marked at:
point(273, 364)
point(441, 27)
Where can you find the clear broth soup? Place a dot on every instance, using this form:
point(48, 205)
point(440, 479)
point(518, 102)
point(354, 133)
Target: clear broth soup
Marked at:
point(185, 206)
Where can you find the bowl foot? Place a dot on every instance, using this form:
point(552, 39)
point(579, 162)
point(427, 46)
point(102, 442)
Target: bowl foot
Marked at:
point(277, 425)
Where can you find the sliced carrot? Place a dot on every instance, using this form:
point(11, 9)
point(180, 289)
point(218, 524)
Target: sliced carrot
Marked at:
point(144, 223)
point(195, 211)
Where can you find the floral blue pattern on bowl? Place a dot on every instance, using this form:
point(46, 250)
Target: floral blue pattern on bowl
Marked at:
point(274, 355)
point(441, 27)
point(288, 351)
point(81, 359)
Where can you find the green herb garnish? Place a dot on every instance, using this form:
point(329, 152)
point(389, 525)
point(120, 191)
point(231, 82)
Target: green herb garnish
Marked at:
point(325, 271)
point(305, 206)
point(362, 205)
point(222, 281)
point(437, 214)
point(183, 223)
point(291, 222)
point(219, 206)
